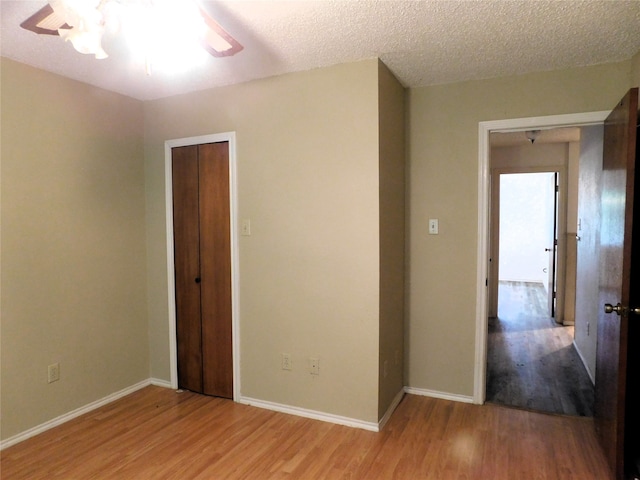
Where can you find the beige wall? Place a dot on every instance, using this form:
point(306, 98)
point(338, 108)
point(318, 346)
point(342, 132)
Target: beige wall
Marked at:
point(309, 273)
point(75, 201)
point(635, 70)
point(392, 237)
point(530, 156)
point(73, 245)
point(443, 172)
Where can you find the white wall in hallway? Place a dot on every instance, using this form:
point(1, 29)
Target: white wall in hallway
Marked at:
point(526, 226)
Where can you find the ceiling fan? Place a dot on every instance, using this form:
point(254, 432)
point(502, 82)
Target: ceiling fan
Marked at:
point(83, 23)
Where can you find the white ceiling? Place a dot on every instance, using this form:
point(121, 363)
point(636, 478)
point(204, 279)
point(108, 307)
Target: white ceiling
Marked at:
point(424, 42)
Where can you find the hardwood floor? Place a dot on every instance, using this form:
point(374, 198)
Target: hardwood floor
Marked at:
point(157, 433)
point(532, 362)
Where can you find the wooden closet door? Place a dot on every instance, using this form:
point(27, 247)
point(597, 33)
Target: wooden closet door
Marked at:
point(186, 235)
point(202, 240)
point(215, 267)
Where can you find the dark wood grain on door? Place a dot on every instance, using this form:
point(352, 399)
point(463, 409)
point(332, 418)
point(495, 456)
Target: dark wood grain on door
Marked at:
point(616, 250)
point(215, 265)
point(186, 234)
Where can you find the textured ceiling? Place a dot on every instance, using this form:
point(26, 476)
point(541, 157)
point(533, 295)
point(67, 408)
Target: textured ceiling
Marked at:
point(423, 42)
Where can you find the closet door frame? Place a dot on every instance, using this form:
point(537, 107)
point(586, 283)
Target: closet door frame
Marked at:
point(229, 137)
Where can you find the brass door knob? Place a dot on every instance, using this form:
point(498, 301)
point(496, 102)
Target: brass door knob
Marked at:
point(620, 309)
point(608, 308)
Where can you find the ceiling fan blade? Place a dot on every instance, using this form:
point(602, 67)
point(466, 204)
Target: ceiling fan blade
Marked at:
point(217, 41)
point(44, 22)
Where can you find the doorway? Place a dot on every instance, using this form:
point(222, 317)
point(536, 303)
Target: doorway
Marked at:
point(484, 190)
point(526, 218)
point(528, 237)
point(531, 361)
point(229, 139)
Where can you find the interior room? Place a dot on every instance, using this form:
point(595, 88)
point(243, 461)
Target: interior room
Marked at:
point(354, 199)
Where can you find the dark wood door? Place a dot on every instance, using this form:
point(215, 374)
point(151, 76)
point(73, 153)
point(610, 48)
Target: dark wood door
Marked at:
point(186, 234)
point(616, 281)
point(215, 269)
point(202, 243)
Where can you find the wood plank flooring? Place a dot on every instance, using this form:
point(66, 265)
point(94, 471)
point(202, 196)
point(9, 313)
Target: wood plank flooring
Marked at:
point(531, 361)
point(157, 433)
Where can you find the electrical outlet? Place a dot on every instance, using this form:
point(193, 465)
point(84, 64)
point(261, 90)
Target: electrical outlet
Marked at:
point(286, 361)
point(53, 372)
point(314, 366)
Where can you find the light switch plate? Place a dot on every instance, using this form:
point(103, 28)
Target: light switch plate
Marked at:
point(433, 226)
point(246, 227)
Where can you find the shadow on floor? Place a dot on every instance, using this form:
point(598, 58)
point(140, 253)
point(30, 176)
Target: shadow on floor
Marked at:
point(531, 360)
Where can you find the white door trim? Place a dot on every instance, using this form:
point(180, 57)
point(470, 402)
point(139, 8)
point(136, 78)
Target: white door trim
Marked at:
point(484, 130)
point(233, 201)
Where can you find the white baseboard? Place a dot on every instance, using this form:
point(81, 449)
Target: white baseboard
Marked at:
point(436, 394)
point(584, 362)
point(32, 432)
point(313, 414)
point(394, 404)
point(277, 407)
point(160, 383)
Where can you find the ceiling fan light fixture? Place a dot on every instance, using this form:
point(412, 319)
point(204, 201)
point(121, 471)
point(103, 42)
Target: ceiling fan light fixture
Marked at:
point(532, 135)
point(216, 40)
point(44, 22)
point(87, 25)
point(52, 22)
point(85, 41)
point(79, 13)
point(84, 22)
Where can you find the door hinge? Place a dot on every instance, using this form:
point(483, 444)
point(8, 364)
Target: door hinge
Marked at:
point(486, 282)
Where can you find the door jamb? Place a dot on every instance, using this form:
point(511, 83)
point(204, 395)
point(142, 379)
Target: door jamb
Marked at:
point(484, 175)
point(233, 203)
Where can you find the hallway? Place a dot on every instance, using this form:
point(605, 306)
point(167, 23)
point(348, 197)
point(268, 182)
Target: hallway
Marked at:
point(531, 361)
